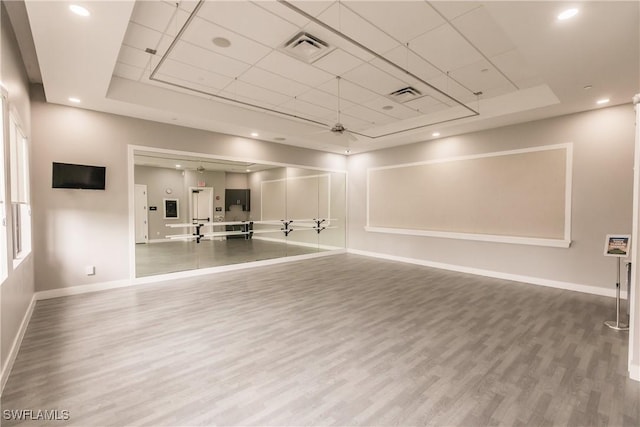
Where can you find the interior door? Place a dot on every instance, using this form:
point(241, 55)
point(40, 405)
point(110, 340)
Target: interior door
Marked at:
point(201, 204)
point(141, 214)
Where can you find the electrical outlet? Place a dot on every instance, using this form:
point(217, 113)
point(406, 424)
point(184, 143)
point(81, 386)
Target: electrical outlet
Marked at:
point(90, 270)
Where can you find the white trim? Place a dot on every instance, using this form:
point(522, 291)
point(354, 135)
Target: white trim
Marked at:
point(116, 284)
point(634, 372)
point(565, 145)
point(565, 242)
point(132, 210)
point(568, 185)
point(634, 368)
point(588, 289)
point(556, 243)
point(17, 342)
point(159, 240)
point(229, 158)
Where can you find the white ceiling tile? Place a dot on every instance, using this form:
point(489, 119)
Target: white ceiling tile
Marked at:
point(207, 60)
point(284, 12)
point(368, 115)
point(263, 78)
point(334, 40)
point(357, 28)
point(127, 71)
point(141, 37)
point(197, 90)
point(409, 61)
point(374, 79)
point(348, 91)
point(250, 20)
point(286, 66)
point(324, 99)
point(132, 56)
point(480, 77)
point(313, 7)
point(233, 97)
point(449, 86)
point(453, 9)
point(337, 62)
point(445, 48)
point(402, 20)
point(305, 109)
point(185, 5)
point(483, 32)
point(259, 94)
point(426, 105)
point(354, 124)
point(196, 76)
point(202, 33)
point(399, 111)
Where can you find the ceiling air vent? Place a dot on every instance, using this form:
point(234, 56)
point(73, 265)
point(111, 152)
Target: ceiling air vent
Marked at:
point(405, 94)
point(306, 47)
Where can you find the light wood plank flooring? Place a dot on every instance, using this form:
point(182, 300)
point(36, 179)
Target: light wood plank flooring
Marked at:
point(169, 257)
point(339, 340)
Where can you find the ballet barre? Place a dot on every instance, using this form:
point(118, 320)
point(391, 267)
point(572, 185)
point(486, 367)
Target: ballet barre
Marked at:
point(286, 226)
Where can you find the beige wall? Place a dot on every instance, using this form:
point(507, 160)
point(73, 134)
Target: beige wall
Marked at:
point(601, 202)
point(77, 228)
point(17, 290)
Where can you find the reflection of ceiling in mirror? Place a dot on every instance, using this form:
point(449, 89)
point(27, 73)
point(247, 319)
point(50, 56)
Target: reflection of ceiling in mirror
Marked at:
point(185, 162)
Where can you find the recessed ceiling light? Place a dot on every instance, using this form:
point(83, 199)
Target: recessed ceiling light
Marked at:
point(602, 101)
point(248, 170)
point(279, 138)
point(388, 107)
point(254, 134)
point(178, 166)
point(221, 42)
point(347, 151)
point(79, 10)
point(435, 134)
point(74, 100)
point(587, 87)
point(568, 14)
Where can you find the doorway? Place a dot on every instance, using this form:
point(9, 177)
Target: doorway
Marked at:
point(201, 204)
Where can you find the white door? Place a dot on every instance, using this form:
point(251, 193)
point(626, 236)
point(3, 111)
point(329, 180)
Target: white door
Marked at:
point(201, 204)
point(142, 214)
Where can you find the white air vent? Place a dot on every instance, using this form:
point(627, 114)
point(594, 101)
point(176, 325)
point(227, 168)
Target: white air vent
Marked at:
point(306, 47)
point(405, 94)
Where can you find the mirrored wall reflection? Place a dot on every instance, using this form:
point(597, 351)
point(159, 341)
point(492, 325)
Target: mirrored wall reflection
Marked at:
point(198, 212)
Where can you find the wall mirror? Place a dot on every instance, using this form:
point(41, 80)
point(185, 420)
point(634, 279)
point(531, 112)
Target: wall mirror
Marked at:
point(231, 212)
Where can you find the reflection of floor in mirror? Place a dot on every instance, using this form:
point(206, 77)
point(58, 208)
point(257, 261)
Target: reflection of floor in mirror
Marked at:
point(169, 257)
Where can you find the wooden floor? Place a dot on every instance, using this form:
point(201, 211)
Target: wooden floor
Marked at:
point(339, 340)
point(169, 257)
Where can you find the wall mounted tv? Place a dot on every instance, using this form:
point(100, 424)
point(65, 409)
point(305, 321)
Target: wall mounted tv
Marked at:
point(66, 175)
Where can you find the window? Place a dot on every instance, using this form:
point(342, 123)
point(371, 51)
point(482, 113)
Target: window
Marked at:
point(20, 207)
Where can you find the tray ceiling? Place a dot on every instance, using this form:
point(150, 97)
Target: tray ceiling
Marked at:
point(392, 72)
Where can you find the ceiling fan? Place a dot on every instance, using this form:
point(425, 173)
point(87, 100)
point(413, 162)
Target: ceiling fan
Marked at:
point(338, 128)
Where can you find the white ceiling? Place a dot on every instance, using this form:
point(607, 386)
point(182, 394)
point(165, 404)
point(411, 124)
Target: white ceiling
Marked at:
point(526, 63)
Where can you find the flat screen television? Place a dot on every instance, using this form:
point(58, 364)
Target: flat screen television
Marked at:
point(66, 175)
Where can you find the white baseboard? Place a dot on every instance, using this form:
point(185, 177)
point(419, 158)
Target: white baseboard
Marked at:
point(115, 284)
point(17, 342)
point(595, 290)
point(294, 243)
point(634, 372)
point(160, 240)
